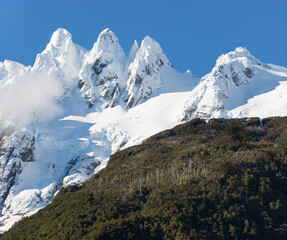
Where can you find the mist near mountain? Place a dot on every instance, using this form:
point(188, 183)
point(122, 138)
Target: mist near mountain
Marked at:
point(32, 97)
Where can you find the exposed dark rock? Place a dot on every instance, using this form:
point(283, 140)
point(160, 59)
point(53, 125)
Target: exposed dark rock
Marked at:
point(148, 70)
point(248, 72)
point(27, 155)
point(130, 102)
point(235, 78)
point(90, 105)
point(138, 79)
point(98, 66)
point(81, 83)
point(105, 79)
point(100, 82)
point(159, 62)
point(12, 156)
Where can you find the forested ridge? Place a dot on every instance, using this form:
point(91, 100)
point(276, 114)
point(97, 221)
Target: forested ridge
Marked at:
point(221, 179)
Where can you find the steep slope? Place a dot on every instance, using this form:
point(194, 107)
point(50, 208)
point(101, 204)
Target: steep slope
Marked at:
point(272, 103)
point(144, 72)
point(103, 73)
point(236, 77)
point(61, 54)
point(109, 77)
point(62, 59)
point(225, 179)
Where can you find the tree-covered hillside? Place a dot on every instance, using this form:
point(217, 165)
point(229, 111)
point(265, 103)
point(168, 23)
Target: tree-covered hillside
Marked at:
point(225, 179)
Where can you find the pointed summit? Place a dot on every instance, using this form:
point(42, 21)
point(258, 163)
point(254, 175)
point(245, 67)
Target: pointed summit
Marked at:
point(149, 43)
point(106, 38)
point(61, 46)
point(108, 44)
point(61, 56)
point(59, 37)
point(151, 51)
point(144, 72)
point(60, 40)
point(102, 75)
point(133, 51)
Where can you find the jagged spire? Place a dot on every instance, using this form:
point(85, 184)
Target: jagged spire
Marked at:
point(133, 51)
point(108, 43)
point(60, 36)
point(144, 77)
point(59, 42)
point(61, 56)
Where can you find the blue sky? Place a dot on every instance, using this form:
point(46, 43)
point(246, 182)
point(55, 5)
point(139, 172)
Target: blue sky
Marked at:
point(192, 33)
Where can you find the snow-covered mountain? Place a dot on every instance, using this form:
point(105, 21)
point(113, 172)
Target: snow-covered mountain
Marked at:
point(64, 116)
point(234, 81)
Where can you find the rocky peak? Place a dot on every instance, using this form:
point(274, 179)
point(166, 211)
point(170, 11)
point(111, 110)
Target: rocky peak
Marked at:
point(107, 46)
point(150, 51)
point(234, 68)
point(102, 74)
point(15, 149)
point(61, 58)
point(239, 53)
point(144, 72)
point(231, 71)
point(106, 39)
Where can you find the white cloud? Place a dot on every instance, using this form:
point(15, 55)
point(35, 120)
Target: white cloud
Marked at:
point(29, 98)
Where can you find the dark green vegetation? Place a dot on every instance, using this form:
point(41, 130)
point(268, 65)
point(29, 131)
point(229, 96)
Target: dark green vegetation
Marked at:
point(226, 179)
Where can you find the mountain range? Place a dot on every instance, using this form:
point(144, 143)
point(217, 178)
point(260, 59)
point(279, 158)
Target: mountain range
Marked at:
point(62, 118)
